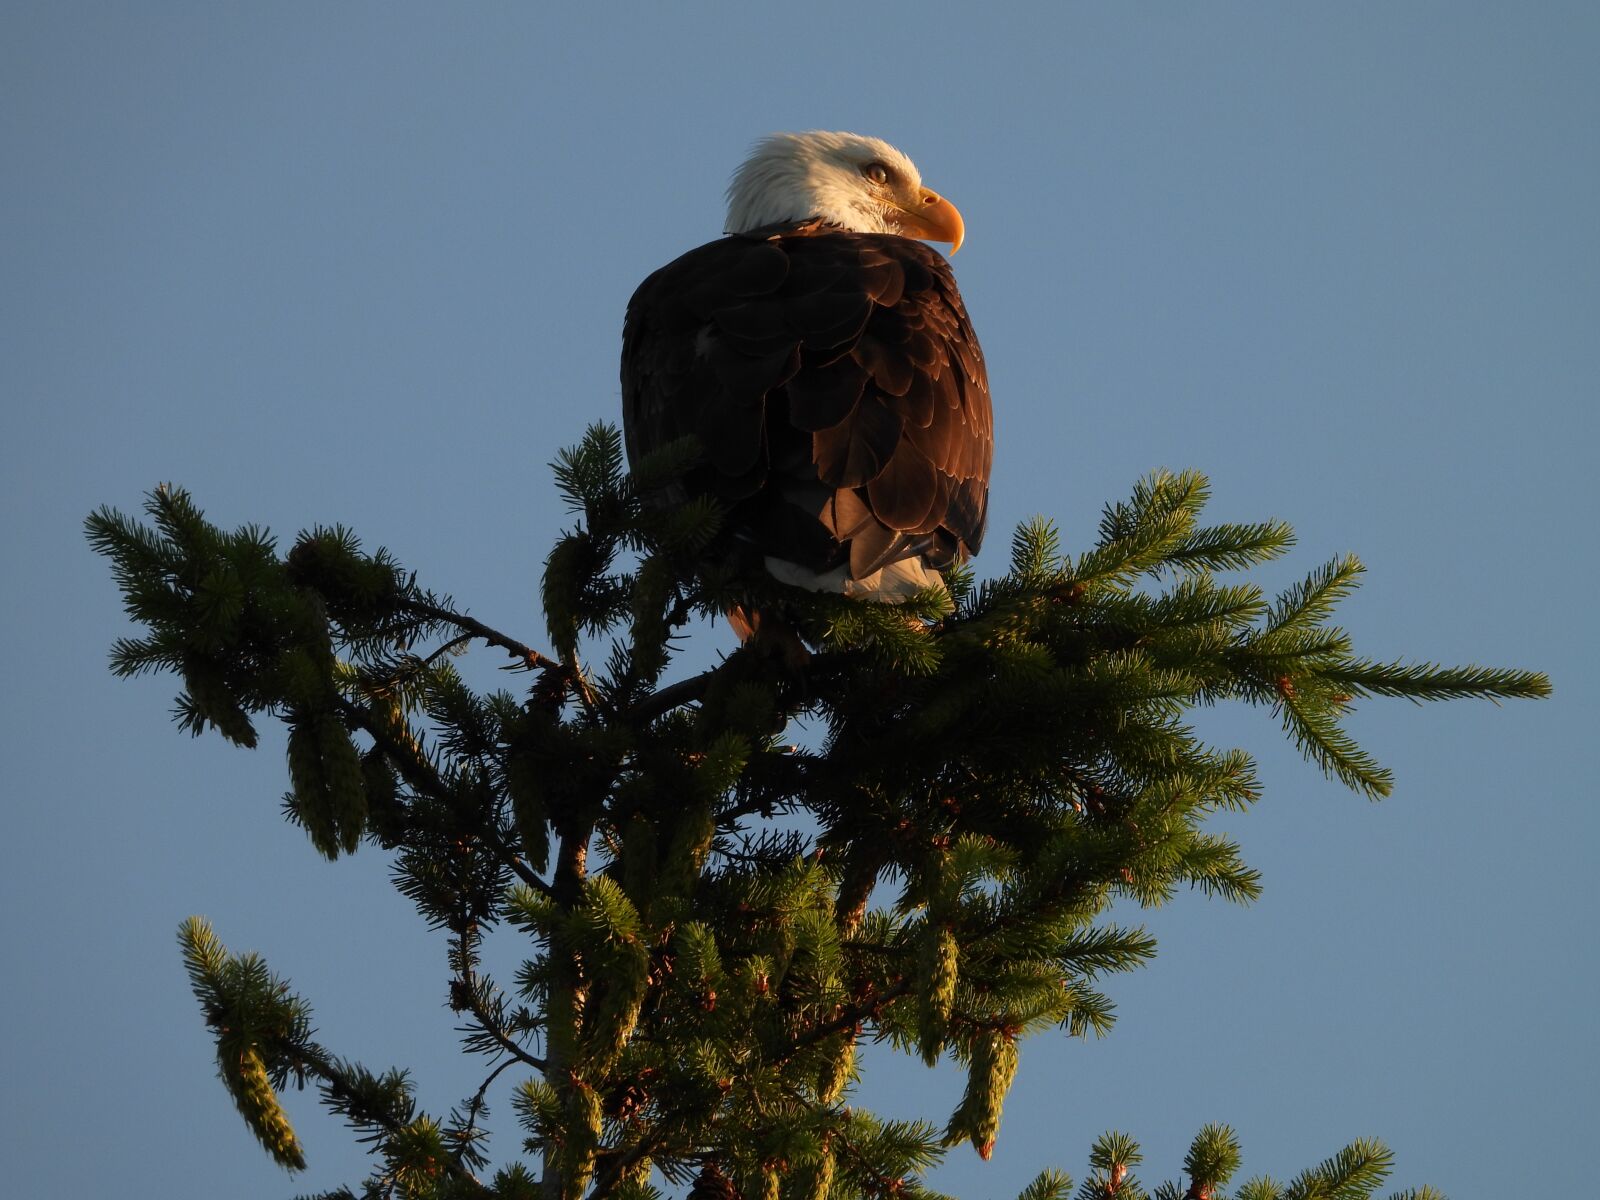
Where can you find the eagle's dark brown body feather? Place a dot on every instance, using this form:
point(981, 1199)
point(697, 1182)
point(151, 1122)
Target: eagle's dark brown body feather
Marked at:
point(836, 385)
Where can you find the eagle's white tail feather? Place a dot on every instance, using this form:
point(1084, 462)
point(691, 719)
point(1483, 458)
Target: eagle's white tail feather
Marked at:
point(893, 584)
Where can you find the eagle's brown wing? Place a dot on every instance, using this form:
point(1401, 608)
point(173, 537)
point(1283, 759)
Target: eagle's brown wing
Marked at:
point(836, 386)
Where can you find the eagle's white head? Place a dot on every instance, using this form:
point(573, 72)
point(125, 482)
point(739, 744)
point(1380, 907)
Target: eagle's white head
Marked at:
point(862, 184)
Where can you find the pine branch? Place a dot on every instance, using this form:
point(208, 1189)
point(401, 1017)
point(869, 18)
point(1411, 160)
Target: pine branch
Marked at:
point(421, 775)
point(1316, 731)
point(870, 1007)
point(1314, 600)
point(1427, 681)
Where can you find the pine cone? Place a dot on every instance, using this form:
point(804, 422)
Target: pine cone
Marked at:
point(712, 1184)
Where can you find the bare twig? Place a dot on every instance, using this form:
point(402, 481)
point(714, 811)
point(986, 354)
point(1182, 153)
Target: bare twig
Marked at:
point(668, 698)
point(469, 980)
point(517, 864)
point(476, 1104)
point(448, 648)
point(530, 657)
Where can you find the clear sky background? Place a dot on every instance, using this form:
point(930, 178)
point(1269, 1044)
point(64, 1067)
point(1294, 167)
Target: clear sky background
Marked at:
point(367, 263)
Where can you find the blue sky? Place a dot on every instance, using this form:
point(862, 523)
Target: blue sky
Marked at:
point(367, 263)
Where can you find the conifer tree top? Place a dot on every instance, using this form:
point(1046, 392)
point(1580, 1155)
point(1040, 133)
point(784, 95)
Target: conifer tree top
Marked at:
point(712, 919)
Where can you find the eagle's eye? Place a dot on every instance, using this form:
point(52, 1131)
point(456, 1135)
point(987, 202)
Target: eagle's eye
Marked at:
point(876, 173)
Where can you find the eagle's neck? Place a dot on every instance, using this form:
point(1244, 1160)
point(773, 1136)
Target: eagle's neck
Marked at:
point(769, 191)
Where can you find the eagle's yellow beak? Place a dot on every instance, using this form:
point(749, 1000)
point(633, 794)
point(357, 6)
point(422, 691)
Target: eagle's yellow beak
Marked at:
point(931, 217)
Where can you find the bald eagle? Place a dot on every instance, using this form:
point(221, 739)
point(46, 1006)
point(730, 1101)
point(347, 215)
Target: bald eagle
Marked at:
point(822, 356)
